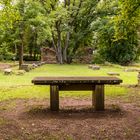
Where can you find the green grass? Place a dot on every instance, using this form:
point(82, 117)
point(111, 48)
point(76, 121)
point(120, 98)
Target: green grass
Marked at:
point(25, 92)
point(15, 86)
point(66, 70)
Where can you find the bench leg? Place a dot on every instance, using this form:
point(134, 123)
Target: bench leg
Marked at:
point(54, 97)
point(98, 98)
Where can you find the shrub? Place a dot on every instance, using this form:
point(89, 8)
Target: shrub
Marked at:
point(98, 59)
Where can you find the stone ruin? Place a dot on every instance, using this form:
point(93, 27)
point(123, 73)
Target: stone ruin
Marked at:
point(48, 55)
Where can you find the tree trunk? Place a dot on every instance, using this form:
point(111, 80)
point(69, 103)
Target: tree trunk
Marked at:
point(66, 48)
point(21, 27)
point(21, 54)
point(59, 50)
point(59, 47)
point(66, 44)
point(34, 55)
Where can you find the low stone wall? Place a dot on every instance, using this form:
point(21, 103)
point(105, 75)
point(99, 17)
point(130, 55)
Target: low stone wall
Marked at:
point(23, 69)
point(28, 67)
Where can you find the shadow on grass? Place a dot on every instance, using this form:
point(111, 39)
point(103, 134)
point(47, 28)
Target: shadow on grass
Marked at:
point(71, 112)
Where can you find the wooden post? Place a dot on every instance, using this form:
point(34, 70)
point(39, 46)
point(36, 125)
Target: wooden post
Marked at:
point(98, 98)
point(54, 97)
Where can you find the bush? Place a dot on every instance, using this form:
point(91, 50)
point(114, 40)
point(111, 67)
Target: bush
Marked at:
point(7, 57)
point(1, 58)
point(27, 57)
point(4, 52)
point(98, 59)
point(120, 52)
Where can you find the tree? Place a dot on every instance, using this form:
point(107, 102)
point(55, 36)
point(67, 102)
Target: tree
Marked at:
point(126, 24)
point(70, 28)
point(30, 29)
point(118, 40)
point(8, 15)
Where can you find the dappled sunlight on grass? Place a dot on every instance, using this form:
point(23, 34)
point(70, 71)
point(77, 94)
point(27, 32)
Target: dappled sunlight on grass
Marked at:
point(24, 92)
point(15, 86)
point(66, 70)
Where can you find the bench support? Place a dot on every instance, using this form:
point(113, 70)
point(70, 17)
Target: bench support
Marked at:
point(98, 98)
point(54, 97)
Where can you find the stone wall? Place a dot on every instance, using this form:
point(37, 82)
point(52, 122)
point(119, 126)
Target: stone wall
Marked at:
point(48, 55)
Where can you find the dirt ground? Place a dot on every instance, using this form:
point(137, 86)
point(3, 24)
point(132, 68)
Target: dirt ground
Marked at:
point(4, 66)
point(76, 120)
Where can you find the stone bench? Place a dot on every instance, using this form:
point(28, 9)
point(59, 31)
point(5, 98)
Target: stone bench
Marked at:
point(95, 84)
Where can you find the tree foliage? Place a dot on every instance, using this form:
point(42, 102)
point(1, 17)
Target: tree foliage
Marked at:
point(118, 38)
point(8, 14)
point(109, 26)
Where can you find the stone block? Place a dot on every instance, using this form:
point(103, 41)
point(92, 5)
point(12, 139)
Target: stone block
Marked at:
point(113, 73)
point(94, 67)
point(7, 71)
point(25, 67)
point(132, 70)
point(20, 72)
point(90, 66)
point(34, 65)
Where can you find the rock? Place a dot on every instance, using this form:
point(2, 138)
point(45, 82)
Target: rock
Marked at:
point(137, 70)
point(43, 63)
point(34, 65)
point(113, 73)
point(90, 66)
point(132, 70)
point(7, 71)
point(25, 67)
point(20, 72)
point(94, 67)
point(39, 64)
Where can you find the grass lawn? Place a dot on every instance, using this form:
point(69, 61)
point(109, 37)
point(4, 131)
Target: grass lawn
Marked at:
point(25, 114)
point(14, 86)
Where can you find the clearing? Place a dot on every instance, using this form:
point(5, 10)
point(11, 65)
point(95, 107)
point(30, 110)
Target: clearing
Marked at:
point(24, 113)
